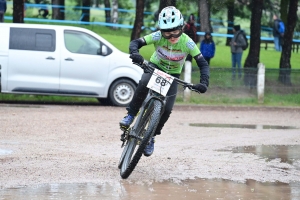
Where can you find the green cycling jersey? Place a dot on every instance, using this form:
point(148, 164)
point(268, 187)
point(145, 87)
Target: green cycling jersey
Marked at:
point(169, 57)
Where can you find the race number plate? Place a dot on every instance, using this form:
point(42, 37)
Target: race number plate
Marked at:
point(160, 82)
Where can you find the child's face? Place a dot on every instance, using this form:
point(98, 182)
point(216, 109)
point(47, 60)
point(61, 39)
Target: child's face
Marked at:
point(173, 40)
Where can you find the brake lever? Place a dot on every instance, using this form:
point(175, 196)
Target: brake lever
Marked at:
point(190, 86)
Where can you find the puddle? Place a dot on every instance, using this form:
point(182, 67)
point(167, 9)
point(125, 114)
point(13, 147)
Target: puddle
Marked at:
point(286, 153)
point(168, 190)
point(5, 152)
point(248, 126)
point(191, 189)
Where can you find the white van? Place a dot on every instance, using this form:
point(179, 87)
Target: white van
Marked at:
point(64, 60)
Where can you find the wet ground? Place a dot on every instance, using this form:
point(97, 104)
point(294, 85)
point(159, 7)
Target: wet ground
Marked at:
point(58, 152)
point(188, 189)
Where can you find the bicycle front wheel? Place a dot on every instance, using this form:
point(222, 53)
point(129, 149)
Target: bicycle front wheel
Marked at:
point(144, 127)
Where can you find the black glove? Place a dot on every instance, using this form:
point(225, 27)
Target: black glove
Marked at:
point(200, 87)
point(136, 58)
point(204, 79)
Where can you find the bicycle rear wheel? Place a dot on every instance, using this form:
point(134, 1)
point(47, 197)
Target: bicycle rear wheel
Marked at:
point(144, 129)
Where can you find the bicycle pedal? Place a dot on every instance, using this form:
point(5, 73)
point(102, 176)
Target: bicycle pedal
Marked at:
point(122, 137)
point(124, 128)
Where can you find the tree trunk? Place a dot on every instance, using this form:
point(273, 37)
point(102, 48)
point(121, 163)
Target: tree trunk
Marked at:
point(204, 13)
point(285, 59)
point(97, 2)
point(58, 9)
point(252, 60)
point(86, 11)
point(165, 3)
point(114, 13)
point(284, 10)
point(138, 22)
point(107, 11)
point(230, 19)
point(18, 11)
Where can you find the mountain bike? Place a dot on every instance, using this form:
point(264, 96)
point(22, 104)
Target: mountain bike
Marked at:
point(135, 138)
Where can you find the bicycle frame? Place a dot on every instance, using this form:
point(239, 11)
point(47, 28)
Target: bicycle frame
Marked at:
point(151, 95)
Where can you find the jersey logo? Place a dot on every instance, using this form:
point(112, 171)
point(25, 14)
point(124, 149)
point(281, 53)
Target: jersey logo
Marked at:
point(190, 44)
point(156, 36)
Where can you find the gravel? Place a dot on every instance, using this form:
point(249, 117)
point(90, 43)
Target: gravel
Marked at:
point(43, 144)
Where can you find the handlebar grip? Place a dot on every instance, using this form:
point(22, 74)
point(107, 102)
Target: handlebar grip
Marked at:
point(200, 87)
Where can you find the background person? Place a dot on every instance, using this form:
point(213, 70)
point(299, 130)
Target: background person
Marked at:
point(3, 8)
point(276, 34)
point(208, 47)
point(236, 44)
point(43, 11)
point(191, 30)
point(171, 50)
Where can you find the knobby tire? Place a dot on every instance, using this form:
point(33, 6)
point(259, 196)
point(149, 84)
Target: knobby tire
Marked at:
point(130, 159)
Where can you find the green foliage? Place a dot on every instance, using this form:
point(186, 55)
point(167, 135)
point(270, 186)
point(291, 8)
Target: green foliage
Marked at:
point(187, 9)
point(218, 6)
point(126, 17)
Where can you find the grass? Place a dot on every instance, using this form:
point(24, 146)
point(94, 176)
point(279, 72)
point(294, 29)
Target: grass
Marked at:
point(45, 99)
point(222, 90)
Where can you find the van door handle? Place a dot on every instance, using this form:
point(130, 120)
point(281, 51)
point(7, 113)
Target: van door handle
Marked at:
point(69, 59)
point(50, 58)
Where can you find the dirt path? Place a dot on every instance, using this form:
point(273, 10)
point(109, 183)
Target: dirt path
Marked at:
point(79, 144)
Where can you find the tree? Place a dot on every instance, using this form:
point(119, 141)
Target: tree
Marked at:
point(284, 10)
point(86, 10)
point(252, 59)
point(165, 3)
point(138, 22)
point(18, 11)
point(230, 20)
point(107, 11)
point(114, 13)
point(285, 59)
point(58, 7)
point(204, 13)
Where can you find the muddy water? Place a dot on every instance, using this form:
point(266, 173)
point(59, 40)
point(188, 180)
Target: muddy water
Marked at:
point(188, 189)
point(247, 126)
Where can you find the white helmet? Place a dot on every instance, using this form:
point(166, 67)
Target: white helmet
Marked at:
point(170, 18)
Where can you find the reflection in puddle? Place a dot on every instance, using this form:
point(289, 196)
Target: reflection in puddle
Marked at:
point(248, 126)
point(287, 153)
point(192, 189)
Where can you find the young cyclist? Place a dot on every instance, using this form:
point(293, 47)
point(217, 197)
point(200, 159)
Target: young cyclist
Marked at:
point(171, 49)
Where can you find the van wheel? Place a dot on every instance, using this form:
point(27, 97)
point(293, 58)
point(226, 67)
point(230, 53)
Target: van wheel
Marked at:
point(121, 92)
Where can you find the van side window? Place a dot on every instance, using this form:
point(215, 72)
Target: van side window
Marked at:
point(32, 39)
point(83, 43)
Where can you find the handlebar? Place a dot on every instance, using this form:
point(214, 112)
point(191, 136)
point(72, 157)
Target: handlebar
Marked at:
point(149, 69)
